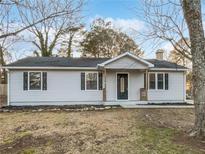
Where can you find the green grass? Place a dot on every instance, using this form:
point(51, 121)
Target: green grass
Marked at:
point(28, 151)
point(16, 136)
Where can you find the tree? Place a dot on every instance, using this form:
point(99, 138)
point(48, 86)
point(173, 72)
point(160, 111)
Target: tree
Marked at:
point(11, 13)
point(169, 21)
point(6, 42)
point(17, 7)
point(165, 23)
point(47, 33)
point(69, 40)
point(103, 41)
point(193, 17)
point(177, 57)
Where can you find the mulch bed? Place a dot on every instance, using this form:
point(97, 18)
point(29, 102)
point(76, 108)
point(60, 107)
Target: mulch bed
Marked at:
point(57, 108)
point(174, 104)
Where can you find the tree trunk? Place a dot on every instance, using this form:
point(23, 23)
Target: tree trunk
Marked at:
point(192, 14)
point(69, 50)
point(2, 62)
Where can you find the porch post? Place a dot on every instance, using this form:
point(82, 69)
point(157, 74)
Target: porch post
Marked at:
point(147, 80)
point(104, 87)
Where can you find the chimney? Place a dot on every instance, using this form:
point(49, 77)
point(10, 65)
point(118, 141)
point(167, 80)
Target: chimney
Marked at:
point(160, 54)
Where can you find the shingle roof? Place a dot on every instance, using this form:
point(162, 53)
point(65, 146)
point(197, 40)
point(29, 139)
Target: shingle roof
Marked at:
point(164, 64)
point(79, 62)
point(57, 62)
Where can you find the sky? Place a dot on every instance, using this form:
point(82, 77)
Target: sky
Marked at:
point(111, 8)
point(125, 16)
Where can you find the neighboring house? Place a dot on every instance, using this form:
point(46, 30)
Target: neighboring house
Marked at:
point(125, 79)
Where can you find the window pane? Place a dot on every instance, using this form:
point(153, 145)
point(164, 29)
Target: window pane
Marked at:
point(122, 85)
point(160, 81)
point(166, 81)
point(35, 80)
point(152, 81)
point(91, 81)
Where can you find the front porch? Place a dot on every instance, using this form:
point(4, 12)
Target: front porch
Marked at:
point(125, 79)
point(125, 86)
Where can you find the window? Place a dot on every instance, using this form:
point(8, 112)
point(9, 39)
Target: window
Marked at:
point(91, 81)
point(34, 80)
point(152, 81)
point(160, 81)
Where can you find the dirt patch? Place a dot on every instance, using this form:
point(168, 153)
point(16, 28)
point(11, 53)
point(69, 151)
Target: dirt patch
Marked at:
point(182, 119)
point(184, 139)
point(23, 143)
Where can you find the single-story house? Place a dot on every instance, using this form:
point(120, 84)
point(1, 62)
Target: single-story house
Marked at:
point(125, 79)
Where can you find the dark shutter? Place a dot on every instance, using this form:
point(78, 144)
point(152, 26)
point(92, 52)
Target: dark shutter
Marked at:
point(160, 81)
point(100, 80)
point(166, 81)
point(82, 81)
point(25, 80)
point(44, 80)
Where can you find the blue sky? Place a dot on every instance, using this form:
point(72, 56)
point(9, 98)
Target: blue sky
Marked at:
point(111, 8)
point(122, 13)
point(125, 15)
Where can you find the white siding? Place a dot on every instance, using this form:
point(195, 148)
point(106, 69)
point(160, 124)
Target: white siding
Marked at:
point(176, 91)
point(126, 63)
point(63, 87)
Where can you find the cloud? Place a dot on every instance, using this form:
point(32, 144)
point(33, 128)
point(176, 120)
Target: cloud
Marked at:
point(125, 25)
point(168, 46)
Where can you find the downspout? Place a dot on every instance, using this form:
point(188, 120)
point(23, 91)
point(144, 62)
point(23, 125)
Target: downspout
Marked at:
point(184, 80)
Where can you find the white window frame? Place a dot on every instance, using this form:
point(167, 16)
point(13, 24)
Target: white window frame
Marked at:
point(86, 82)
point(29, 81)
point(156, 81)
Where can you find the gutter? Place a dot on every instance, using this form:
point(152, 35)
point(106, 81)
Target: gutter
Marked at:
point(50, 68)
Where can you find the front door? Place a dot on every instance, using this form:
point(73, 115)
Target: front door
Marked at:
point(122, 86)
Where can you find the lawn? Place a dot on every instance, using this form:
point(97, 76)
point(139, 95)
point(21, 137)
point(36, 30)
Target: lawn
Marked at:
point(110, 131)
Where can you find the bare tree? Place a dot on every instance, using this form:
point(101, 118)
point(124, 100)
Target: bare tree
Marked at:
point(193, 16)
point(177, 57)
point(24, 6)
point(165, 23)
point(169, 21)
point(48, 32)
point(5, 42)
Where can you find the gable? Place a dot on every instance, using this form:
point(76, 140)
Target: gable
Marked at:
point(126, 62)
